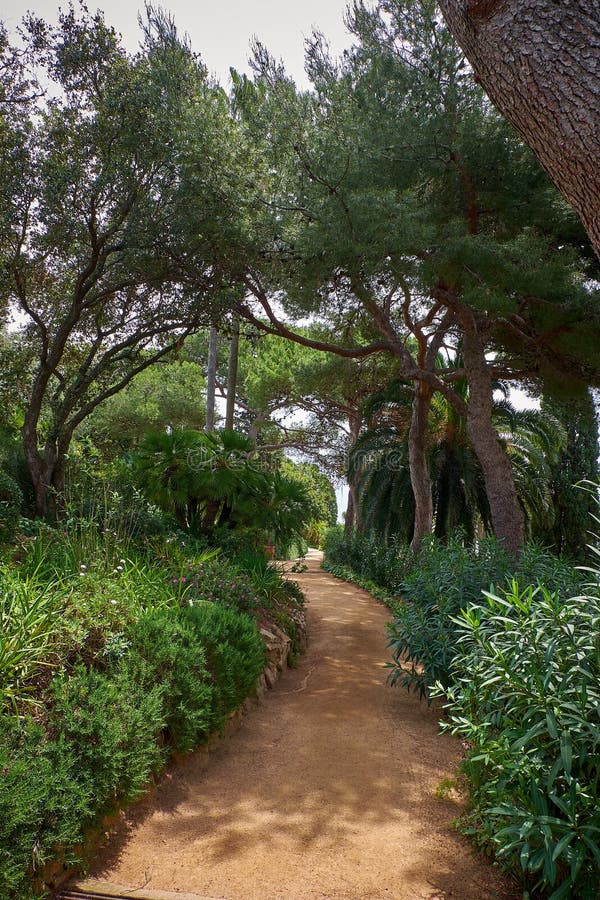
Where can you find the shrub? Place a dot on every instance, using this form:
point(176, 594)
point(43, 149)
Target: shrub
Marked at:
point(235, 653)
point(30, 624)
point(526, 698)
point(445, 579)
point(11, 499)
point(112, 721)
point(368, 556)
point(163, 648)
point(44, 803)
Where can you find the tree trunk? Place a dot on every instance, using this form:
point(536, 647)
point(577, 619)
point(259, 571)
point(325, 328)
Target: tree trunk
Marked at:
point(211, 376)
point(352, 520)
point(350, 517)
point(420, 477)
point(234, 348)
point(539, 61)
point(507, 517)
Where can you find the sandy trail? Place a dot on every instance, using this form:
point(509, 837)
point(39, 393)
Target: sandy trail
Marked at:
point(327, 790)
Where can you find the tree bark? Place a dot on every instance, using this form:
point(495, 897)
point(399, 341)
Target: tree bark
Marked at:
point(420, 477)
point(539, 61)
point(506, 513)
point(232, 375)
point(211, 376)
point(351, 519)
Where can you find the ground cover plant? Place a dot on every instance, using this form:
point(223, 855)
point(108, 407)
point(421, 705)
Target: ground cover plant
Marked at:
point(116, 652)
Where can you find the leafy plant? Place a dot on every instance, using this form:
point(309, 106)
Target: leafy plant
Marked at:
point(445, 579)
point(43, 804)
point(30, 623)
point(163, 648)
point(526, 698)
point(11, 499)
point(112, 722)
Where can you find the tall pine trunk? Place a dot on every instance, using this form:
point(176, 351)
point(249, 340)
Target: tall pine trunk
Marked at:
point(211, 377)
point(232, 375)
point(420, 477)
point(506, 513)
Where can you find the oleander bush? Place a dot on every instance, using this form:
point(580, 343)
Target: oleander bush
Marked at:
point(383, 564)
point(525, 697)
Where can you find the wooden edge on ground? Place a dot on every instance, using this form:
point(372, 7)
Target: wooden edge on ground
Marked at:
point(93, 889)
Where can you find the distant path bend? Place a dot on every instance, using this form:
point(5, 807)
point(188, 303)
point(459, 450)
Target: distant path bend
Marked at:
point(327, 790)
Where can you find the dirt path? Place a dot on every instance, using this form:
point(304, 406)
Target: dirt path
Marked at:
point(327, 791)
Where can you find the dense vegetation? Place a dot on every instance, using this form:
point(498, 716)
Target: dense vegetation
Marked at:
point(362, 271)
point(116, 651)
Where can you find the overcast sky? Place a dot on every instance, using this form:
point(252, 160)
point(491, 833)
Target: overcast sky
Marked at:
point(221, 30)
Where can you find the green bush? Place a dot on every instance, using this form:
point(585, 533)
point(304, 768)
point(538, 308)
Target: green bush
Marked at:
point(44, 803)
point(11, 500)
point(445, 579)
point(368, 556)
point(163, 648)
point(30, 628)
point(526, 698)
point(235, 653)
point(112, 721)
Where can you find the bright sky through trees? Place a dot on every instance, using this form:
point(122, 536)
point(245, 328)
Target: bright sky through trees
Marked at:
point(220, 31)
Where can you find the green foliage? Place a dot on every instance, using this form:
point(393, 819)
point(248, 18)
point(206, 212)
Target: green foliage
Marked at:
point(217, 481)
point(179, 669)
point(235, 654)
point(44, 804)
point(321, 495)
point(567, 530)
point(30, 624)
point(11, 499)
point(525, 698)
point(164, 396)
point(112, 722)
point(445, 579)
point(368, 557)
point(379, 464)
point(162, 648)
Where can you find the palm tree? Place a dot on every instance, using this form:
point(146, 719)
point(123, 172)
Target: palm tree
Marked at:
point(210, 480)
point(379, 463)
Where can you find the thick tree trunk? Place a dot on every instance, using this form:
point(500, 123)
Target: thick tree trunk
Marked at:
point(507, 517)
point(211, 375)
point(539, 61)
point(420, 477)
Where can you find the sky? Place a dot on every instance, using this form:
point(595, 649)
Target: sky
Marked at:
point(220, 30)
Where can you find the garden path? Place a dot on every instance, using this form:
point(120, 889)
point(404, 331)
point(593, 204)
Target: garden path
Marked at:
point(327, 791)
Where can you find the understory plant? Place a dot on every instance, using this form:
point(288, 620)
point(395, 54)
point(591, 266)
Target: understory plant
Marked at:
point(444, 579)
point(525, 697)
point(30, 624)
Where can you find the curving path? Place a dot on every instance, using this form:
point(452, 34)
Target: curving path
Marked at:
point(327, 791)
